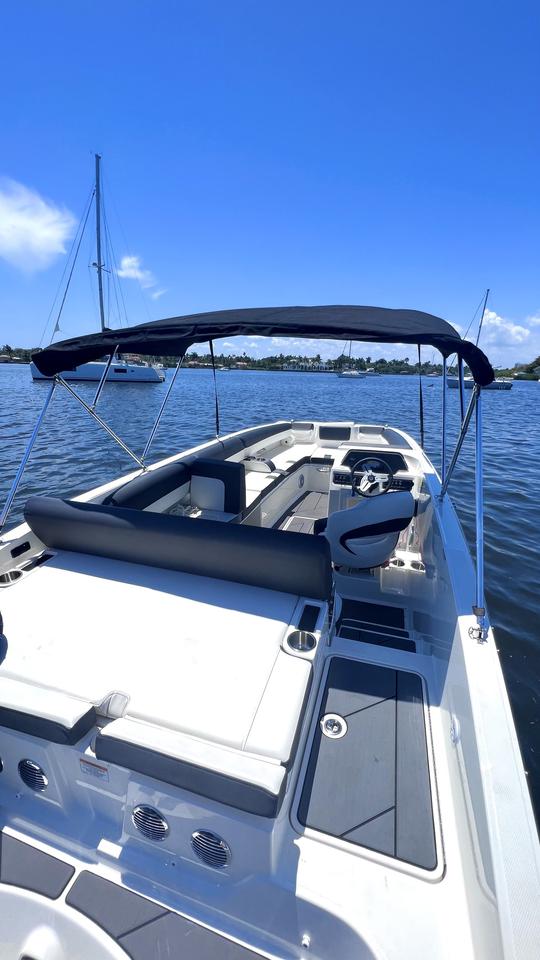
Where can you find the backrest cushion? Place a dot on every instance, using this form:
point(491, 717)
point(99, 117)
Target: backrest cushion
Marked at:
point(292, 563)
point(218, 485)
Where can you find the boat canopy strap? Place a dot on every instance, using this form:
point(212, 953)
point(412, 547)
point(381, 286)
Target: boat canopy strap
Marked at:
point(211, 345)
point(173, 336)
point(420, 398)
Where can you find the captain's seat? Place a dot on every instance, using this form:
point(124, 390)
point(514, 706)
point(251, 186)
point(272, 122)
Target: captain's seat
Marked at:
point(366, 535)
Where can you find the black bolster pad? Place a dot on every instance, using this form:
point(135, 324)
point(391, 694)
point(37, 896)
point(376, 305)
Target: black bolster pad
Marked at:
point(257, 434)
point(151, 486)
point(274, 559)
point(46, 729)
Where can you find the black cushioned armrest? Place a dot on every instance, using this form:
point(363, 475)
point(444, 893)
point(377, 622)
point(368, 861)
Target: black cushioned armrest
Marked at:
point(46, 729)
point(151, 486)
point(250, 797)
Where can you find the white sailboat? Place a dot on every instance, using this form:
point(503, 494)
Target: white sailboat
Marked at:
point(350, 373)
point(251, 704)
point(120, 370)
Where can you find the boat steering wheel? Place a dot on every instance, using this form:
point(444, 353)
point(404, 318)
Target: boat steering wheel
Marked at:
point(371, 477)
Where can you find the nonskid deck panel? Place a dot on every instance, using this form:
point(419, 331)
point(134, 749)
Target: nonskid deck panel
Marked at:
point(301, 517)
point(371, 786)
point(145, 930)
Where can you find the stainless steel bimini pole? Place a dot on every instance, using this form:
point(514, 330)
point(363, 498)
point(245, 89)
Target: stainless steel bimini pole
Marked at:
point(101, 422)
point(461, 389)
point(101, 383)
point(479, 610)
point(161, 409)
point(459, 444)
point(443, 426)
point(24, 461)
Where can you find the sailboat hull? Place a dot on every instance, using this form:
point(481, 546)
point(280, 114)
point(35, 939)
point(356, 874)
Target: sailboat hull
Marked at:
point(119, 373)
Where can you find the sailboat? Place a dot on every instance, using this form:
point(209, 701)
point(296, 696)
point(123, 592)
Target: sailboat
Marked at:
point(349, 373)
point(118, 370)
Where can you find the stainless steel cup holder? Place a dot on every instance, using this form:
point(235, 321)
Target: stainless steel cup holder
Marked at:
point(301, 641)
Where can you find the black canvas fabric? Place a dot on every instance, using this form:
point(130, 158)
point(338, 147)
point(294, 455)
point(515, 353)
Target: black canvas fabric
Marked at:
point(173, 336)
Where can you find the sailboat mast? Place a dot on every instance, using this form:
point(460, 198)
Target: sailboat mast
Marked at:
point(99, 264)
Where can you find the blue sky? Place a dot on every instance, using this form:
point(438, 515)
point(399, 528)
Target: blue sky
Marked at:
point(278, 153)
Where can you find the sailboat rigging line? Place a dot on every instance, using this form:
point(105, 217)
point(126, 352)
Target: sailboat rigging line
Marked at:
point(474, 316)
point(99, 264)
point(101, 422)
point(215, 386)
point(162, 408)
point(482, 317)
point(117, 286)
point(77, 239)
point(111, 202)
point(420, 399)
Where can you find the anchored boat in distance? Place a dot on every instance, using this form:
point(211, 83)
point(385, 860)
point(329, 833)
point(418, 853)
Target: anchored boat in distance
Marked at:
point(500, 383)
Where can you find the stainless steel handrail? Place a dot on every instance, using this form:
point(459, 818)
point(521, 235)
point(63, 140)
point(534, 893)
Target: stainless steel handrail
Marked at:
point(443, 427)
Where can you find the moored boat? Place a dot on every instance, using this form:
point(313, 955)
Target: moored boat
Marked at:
point(500, 383)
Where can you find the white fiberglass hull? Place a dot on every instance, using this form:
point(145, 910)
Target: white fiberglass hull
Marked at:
point(181, 661)
point(468, 383)
point(118, 373)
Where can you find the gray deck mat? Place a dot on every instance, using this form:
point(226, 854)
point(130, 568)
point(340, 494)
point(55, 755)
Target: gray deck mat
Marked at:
point(372, 786)
point(145, 930)
point(23, 865)
point(312, 506)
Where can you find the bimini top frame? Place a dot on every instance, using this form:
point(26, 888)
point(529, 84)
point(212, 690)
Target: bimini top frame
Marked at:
point(174, 336)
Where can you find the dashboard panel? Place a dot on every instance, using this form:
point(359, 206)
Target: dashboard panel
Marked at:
point(341, 474)
point(394, 460)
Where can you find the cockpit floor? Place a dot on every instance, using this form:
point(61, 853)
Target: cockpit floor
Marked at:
point(301, 517)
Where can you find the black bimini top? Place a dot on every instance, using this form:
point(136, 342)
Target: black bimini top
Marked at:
point(172, 337)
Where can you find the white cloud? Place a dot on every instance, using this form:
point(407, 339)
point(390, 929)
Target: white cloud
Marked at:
point(131, 269)
point(505, 341)
point(33, 231)
point(503, 332)
point(158, 293)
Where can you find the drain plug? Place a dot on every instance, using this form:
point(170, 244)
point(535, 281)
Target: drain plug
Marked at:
point(333, 726)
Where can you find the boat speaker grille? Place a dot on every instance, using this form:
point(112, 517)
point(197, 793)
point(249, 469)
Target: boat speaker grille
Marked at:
point(211, 849)
point(33, 775)
point(150, 822)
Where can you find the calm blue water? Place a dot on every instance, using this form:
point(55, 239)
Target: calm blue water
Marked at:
point(73, 454)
